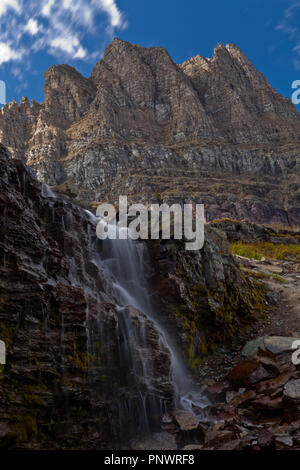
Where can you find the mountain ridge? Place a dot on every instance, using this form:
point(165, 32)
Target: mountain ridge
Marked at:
point(139, 111)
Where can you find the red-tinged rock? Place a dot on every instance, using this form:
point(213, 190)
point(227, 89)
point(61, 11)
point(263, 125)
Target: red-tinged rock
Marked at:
point(229, 414)
point(265, 438)
point(192, 447)
point(240, 376)
point(217, 439)
point(218, 390)
point(267, 403)
point(259, 374)
point(243, 398)
point(231, 395)
point(270, 386)
point(232, 445)
point(269, 362)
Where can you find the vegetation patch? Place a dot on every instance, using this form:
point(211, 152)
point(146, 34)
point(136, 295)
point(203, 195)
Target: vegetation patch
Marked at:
point(266, 249)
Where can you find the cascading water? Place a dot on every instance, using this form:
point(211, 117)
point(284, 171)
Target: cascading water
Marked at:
point(112, 358)
point(145, 396)
point(47, 192)
point(144, 377)
point(125, 261)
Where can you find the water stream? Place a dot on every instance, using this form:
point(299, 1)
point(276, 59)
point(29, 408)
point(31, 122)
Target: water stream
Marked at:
point(143, 373)
point(125, 261)
point(147, 377)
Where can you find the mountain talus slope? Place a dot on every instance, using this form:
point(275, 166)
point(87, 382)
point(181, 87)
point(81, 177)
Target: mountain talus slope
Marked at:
point(143, 125)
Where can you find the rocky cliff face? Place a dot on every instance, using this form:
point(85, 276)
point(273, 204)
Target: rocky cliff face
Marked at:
point(66, 383)
point(243, 106)
point(75, 374)
point(195, 130)
point(202, 296)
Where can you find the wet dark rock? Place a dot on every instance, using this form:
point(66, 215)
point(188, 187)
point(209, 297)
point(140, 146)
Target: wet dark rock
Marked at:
point(192, 447)
point(242, 398)
point(265, 438)
point(157, 441)
point(216, 439)
point(63, 385)
point(217, 391)
point(264, 413)
point(203, 297)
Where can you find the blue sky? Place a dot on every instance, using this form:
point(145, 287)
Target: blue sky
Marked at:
point(35, 34)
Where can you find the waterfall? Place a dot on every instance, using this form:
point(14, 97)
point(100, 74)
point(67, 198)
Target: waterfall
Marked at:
point(145, 397)
point(125, 261)
point(145, 377)
point(47, 192)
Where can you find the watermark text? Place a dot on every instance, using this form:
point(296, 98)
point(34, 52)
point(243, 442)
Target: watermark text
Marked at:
point(2, 92)
point(2, 353)
point(155, 222)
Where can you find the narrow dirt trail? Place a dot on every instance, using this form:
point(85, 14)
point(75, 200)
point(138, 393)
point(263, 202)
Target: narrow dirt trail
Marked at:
point(284, 319)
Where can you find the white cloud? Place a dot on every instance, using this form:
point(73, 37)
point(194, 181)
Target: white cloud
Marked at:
point(285, 28)
point(81, 53)
point(32, 27)
point(61, 28)
point(8, 4)
point(7, 54)
point(110, 7)
point(46, 10)
point(69, 45)
point(17, 73)
point(289, 26)
point(67, 3)
point(296, 63)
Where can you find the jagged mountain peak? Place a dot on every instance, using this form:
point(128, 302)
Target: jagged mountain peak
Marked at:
point(140, 109)
point(120, 53)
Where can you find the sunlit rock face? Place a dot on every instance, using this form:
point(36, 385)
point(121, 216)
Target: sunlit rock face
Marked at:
point(209, 129)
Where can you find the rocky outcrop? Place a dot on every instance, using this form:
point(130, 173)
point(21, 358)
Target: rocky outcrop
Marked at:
point(253, 233)
point(68, 93)
point(68, 382)
point(203, 297)
point(82, 372)
point(258, 402)
point(212, 130)
point(254, 407)
point(240, 101)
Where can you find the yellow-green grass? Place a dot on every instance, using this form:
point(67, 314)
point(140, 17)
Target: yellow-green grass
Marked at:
point(257, 251)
